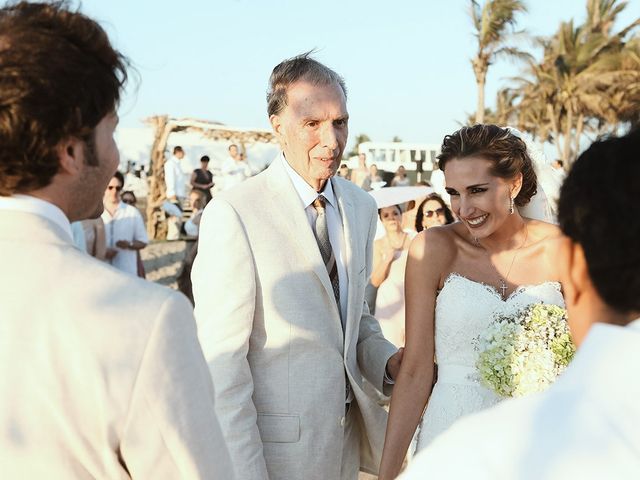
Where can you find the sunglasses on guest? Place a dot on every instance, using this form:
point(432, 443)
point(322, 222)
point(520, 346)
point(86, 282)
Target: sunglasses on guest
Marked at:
point(437, 211)
point(111, 187)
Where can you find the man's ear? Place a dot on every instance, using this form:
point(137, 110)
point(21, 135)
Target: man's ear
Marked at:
point(276, 125)
point(71, 156)
point(578, 274)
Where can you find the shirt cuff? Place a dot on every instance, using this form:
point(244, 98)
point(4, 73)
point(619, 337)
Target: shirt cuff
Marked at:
point(387, 378)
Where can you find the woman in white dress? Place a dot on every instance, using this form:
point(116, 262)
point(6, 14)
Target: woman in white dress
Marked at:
point(389, 261)
point(459, 275)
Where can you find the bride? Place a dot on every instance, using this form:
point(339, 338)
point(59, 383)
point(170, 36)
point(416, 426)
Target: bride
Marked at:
point(459, 275)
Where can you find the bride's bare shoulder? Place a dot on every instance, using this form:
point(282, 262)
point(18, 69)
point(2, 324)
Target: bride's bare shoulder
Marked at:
point(542, 232)
point(438, 244)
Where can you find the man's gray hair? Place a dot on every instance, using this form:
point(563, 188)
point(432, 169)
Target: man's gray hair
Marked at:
point(300, 67)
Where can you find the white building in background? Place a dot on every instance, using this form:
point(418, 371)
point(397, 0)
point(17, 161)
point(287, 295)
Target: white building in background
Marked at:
point(389, 156)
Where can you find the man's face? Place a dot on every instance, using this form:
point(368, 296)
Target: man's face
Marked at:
point(112, 193)
point(312, 130)
point(233, 151)
point(94, 179)
point(179, 154)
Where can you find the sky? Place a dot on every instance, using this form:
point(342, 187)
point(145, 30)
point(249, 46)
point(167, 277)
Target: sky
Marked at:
point(406, 64)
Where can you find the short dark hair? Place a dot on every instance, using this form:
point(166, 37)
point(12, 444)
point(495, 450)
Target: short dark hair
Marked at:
point(177, 149)
point(398, 207)
point(420, 213)
point(120, 177)
point(592, 200)
point(59, 77)
point(506, 151)
point(288, 72)
point(204, 158)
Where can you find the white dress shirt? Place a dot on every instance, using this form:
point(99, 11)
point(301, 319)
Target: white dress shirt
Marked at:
point(125, 224)
point(174, 178)
point(334, 224)
point(36, 206)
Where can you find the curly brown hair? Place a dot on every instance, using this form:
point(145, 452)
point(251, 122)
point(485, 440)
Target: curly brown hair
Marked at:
point(59, 76)
point(507, 152)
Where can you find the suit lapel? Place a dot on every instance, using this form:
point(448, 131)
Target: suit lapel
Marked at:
point(287, 202)
point(351, 247)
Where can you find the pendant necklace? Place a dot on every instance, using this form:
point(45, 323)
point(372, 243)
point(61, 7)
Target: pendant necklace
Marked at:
point(503, 281)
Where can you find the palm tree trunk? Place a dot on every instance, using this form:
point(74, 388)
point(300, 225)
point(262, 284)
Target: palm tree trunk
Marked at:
point(579, 128)
point(554, 126)
point(480, 107)
point(567, 135)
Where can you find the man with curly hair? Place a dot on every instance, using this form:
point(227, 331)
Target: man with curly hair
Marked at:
point(101, 374)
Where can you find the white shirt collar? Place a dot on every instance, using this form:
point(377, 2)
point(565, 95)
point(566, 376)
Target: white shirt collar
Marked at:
point(36, 206)
point(306, 193)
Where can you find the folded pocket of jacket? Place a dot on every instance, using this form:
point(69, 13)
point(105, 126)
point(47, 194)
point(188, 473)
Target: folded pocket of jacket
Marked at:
point(279, 428)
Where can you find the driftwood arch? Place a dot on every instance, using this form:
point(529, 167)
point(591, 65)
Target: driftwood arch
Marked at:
point(164, 126)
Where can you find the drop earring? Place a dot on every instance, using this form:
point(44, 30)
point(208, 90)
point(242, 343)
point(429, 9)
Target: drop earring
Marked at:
point(511, 206)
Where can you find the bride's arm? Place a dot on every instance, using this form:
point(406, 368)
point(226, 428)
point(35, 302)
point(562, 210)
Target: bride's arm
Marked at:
point(429, 256)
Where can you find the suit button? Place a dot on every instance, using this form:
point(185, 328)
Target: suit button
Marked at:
point(342, 421)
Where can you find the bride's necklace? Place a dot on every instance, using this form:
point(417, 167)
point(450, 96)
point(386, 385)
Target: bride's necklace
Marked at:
point(399, 246)
point(503, 281)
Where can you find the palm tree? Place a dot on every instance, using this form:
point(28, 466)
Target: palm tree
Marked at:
point(588, 81)
point(494, 22)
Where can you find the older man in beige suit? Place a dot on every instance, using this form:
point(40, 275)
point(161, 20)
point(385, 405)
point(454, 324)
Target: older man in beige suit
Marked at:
point(279, 285)
point(101, 374)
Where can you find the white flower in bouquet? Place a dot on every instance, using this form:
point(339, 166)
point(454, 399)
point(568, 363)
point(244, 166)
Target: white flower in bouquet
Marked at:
point(525, 352)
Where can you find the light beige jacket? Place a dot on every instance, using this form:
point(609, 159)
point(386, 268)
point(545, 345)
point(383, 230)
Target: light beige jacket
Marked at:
point(272, 334)
point(101, 374)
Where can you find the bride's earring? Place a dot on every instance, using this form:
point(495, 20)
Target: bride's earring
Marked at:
point(511, 206)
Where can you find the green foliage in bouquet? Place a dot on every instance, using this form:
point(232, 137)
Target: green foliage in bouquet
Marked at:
point(525, 352)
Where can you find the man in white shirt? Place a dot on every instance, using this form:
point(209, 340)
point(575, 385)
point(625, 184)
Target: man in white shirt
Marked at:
point(175, 183)
point(279, 284)
point(586, 424)
point(124, 228)
point(101, 374)
point(235, 169)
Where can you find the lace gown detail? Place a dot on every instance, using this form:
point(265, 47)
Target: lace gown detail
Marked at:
point(464, 308)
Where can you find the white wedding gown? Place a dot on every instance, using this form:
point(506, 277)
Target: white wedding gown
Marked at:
point(464, 308)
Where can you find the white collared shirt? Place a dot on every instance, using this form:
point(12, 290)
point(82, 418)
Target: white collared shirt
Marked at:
point(334, 224)
point(174, 178)
point(125, 224)
point(37, 206)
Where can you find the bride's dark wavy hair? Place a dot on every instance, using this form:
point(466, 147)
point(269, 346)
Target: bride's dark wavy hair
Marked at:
point(507, 152)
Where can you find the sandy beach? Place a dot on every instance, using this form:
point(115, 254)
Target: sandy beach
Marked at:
point(163, 261)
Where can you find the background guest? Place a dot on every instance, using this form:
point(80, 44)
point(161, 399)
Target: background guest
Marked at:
point(432, 212)
point(400, 179)
point(202, 178)
point(389, 261)
point(124, 228)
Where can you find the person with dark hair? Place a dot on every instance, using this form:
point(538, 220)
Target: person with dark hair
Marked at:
point(389, 261)
point(101, 374)
point(279, 284)
point(459, 275)
point(433, 212)
point(586, 424)
point(175, 185)
point(202, 178)
point(124, 228)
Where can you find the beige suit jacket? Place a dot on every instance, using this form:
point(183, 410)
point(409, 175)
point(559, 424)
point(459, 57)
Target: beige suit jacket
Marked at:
point(101, 374)
point(272, 335)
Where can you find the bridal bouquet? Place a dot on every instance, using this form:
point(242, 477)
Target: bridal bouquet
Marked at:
point(524, 352)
